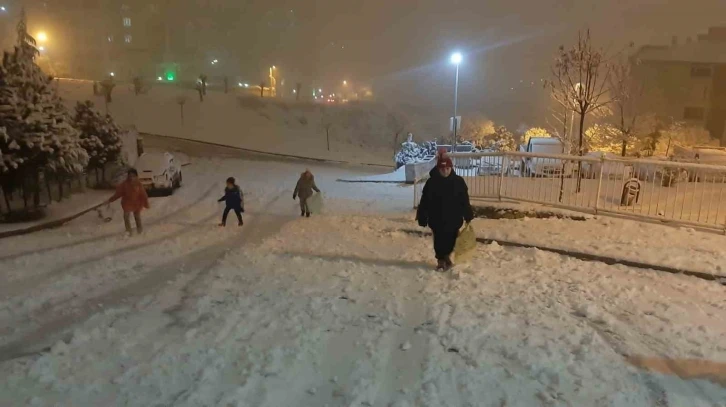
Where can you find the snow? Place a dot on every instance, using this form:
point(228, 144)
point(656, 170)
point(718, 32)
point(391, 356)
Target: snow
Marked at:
point(618, 238)
point(361, 132)
point(343, 309)
point(397, 176)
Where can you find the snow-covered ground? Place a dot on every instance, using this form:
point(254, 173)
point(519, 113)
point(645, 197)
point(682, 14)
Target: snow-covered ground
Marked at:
point(358, 132)
point(343, 309)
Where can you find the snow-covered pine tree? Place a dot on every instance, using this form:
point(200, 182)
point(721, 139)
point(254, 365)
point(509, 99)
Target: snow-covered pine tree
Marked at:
point(409, 153)
point(38, 131)
point(99, 136)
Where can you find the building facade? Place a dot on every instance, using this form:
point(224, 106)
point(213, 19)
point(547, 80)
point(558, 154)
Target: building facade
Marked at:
point(687, 81)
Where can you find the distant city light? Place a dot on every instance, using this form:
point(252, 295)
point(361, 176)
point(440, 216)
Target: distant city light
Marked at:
point(247, 85)
point(3, 8)
point(214, 61)
point(159, 78)
point(41, 48)
point(456, 58)
point(273, 67)
point(240, 84)
point(345, 82)
point(294, 91)
point(42, 36)
point(320, 90)
point(112, 74)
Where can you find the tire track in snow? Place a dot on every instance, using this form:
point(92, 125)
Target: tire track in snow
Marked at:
point(198, 263)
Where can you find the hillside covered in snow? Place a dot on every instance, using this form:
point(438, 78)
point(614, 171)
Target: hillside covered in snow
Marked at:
point(359, 132)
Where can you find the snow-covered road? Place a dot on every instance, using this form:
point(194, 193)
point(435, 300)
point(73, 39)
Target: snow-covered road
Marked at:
point(340, 309)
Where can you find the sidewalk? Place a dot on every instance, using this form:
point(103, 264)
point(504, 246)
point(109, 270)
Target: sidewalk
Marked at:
point(58, 213)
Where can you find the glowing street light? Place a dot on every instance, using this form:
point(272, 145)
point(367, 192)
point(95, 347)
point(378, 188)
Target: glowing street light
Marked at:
point(159, 78)
point(2, 8)
point(42, 36)
point(456, 59)
point(112, 74)
point(345, 83)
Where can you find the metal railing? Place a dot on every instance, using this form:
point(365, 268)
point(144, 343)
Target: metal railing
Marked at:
point(683, 193)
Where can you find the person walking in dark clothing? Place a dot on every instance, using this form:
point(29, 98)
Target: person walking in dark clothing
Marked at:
point(304, 189)
point(234, 200)
point(444, 207)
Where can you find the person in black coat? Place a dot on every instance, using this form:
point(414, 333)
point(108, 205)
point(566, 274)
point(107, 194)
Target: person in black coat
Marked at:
point(234, 200)
point(444, 207)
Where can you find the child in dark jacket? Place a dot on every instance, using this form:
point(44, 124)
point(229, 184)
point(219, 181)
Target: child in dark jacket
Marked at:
point(234, 200)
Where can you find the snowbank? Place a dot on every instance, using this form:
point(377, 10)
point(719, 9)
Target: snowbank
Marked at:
point(681, 248)
point(359, 132)
point(398, 176)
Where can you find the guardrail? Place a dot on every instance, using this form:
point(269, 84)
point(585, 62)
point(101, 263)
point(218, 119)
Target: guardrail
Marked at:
point(683, 193)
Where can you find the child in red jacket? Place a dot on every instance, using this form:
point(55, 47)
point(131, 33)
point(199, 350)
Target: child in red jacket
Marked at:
point(133, 199)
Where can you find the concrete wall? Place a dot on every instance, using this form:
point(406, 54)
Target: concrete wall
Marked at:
point(418, 171)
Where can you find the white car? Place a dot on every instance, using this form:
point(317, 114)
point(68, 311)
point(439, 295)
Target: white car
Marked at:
point(159, 172)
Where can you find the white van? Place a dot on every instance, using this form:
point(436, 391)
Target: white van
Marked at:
point(545, 167)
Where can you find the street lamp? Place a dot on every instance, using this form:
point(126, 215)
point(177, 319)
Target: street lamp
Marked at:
point(42, 36)
point(456, 59)
point(345, 83)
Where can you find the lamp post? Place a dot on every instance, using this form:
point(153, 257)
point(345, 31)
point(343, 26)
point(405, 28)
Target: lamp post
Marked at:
point(456, 59)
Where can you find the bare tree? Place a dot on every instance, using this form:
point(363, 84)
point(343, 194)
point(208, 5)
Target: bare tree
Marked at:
point(626, 94)
point(396, 123)
point(560, 123)
point(580, 78)
point(326, 123)
point(107, 86)
point(181, 100)
point(476, 129)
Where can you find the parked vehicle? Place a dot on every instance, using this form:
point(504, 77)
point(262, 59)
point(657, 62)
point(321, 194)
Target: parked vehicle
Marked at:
point(464, 162)
point(545, 167)
point(159, 172)
point(490, 165)
point(610, 169)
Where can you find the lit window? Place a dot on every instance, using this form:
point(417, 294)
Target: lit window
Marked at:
point(127, 38)
point(127, 22)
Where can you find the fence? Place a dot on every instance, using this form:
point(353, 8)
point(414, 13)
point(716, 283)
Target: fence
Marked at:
point(685, 193)
point(34, 192)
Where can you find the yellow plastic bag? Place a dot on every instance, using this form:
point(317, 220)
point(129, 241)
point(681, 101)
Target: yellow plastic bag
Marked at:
point(465, 244)
point(315, 203)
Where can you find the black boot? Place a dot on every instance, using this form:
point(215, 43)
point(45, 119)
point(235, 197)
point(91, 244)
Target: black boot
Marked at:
point(302, 213)
point(441, 266)
point(307, 214)
point(448, 263)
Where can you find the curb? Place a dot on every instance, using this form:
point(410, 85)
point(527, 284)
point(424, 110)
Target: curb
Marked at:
point(48, 225)
point(248, 150)
point(593, 257)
